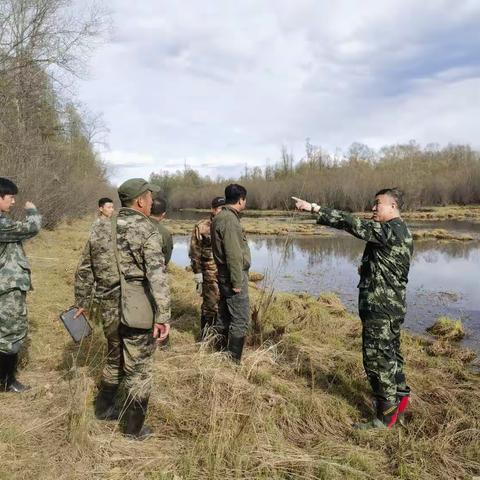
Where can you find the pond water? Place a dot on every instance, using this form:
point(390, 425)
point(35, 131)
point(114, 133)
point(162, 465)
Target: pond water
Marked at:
point(443, 280)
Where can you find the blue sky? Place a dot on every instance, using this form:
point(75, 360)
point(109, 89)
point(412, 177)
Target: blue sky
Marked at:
point(218, 85)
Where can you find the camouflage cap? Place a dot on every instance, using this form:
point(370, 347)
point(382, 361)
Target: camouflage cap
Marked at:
point(134, 187)
point(218, 202)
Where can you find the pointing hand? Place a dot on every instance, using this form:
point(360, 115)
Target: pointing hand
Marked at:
point(302, 204)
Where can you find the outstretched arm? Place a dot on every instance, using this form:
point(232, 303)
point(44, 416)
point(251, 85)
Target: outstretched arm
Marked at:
point(368, 230)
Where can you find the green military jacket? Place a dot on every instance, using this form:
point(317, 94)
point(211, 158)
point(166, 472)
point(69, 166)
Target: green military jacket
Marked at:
point(230, 247)
point(167, 240)
point(138, 243)
point(385, 261)
point(14, 266)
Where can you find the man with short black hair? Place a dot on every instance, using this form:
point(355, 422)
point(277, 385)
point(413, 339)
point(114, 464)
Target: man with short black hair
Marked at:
point(157, 215)
point(105, 208)
point(15, 282)
point(382, 296)
point(204, 268)
point(232, 257)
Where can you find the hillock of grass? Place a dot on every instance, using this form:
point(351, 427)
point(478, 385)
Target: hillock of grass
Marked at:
point(440, 234)
point(285, 413)
point(447, 329)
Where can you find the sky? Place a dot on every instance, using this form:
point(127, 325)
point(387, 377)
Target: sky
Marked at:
point(218, 85)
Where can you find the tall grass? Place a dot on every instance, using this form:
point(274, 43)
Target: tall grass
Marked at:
point(285, 413)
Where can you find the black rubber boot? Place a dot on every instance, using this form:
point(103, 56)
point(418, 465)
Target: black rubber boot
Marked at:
point(387, 413)
point(206, 322)
point(220, 342)
point(3, 372)
point(201, 333)
point(133, 421)
point(235, 347)
point(105, 408)
point(8, 380)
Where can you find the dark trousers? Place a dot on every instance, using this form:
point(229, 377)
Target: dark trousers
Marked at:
point(233, 316)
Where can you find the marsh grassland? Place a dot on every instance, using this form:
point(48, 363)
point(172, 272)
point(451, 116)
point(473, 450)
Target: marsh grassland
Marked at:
point(285, 413)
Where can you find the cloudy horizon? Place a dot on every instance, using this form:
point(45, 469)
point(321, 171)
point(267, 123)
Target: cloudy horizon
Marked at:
point(221, 85)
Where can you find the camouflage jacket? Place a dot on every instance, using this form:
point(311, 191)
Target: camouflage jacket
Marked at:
point(200, 252)
point(167, 240)
point(14, 266)
point(385, 262)
point(139, 243)
point(230, 247)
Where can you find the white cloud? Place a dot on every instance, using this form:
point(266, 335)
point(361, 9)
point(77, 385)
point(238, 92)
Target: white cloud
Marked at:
point(221, 84)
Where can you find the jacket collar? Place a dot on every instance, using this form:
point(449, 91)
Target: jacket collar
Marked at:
point(229, 207)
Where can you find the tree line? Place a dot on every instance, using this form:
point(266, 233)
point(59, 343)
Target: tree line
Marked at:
point(429, 176)
point(47, 142)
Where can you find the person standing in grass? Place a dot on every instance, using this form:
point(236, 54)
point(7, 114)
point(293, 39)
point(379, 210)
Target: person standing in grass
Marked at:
point(204, 268)
point(122, 266)
point(232, 257)
point(15, 282)
point(382, 296)
point(157, 215)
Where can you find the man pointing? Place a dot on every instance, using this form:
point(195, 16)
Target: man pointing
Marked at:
point(382, 296)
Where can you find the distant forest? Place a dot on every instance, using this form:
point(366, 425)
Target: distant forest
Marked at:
point(47, 143)
point(429, 176)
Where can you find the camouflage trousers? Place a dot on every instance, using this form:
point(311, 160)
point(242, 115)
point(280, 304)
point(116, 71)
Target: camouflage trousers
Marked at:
point(129, 352)
point(13, 321)
point(210, 295)
point(382, 359)
point(233, 309)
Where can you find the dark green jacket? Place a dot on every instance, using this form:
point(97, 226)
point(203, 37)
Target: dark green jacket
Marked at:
point(167, 240)
point(385, 262)
point(230, 247)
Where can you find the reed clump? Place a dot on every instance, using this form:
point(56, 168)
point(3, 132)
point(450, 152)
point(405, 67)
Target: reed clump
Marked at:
point(447, 329)
point(441, 234)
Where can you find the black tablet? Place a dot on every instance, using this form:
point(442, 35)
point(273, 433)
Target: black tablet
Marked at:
point(78, 327)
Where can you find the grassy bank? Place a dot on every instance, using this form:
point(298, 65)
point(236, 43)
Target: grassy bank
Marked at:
point(286, 413)
point(425, 213)
point(441, 234)
point(298, 225)
point(290, 222)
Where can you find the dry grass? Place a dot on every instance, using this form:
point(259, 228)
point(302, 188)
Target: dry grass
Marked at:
point(424, 213)
point(445, 348)
point(440, 234)
point(284, 222)
point(298, 225)
point(447, 329)
point(255, 276)
point(285, 413)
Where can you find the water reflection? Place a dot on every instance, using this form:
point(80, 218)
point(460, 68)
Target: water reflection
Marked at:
point(443, 277)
